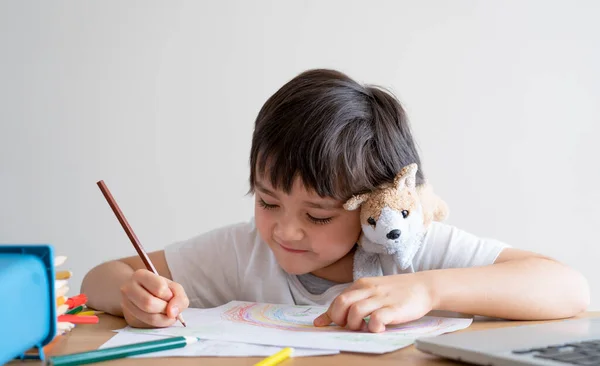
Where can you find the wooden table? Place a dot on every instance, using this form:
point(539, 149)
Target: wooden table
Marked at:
point(88, 337)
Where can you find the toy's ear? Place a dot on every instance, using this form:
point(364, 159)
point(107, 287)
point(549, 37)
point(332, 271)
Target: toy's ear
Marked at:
point(355, 202)
point(407, 177)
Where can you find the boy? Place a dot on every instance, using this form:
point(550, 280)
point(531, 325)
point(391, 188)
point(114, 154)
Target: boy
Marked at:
point(319, 140)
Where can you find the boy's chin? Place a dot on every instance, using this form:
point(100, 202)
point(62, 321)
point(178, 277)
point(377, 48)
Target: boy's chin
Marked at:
point(296, 269)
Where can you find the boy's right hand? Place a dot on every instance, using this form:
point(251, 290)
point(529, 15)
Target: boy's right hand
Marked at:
point(152, 301)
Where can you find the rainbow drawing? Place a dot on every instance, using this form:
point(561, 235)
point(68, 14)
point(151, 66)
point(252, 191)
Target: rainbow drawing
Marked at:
point(300, 318)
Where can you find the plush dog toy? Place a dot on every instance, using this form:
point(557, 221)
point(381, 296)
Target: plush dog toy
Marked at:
point(394, 221)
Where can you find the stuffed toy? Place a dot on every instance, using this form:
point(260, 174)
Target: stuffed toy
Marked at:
point(394, 220)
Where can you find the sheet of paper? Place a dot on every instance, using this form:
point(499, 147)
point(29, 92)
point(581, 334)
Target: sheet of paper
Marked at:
point(291, 325)
point(208, 348)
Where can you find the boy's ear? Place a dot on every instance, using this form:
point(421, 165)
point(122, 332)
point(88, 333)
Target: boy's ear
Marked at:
point(407, 178)
point(355, 202)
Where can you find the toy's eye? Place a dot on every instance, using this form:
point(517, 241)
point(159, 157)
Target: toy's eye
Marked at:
point(371, 221)
point(404, 213)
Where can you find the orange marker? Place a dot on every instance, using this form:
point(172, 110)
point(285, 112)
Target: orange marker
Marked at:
point(79, 319)
point(76, 301)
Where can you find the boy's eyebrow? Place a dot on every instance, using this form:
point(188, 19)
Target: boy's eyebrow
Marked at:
point(324, 205)
point(264, 189)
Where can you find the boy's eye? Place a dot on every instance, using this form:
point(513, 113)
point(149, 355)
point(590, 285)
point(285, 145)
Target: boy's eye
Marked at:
point(371, 221)
point(317, 220)
point(266, 205)
point(404, 213)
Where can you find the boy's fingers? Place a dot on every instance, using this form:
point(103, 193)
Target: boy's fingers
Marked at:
point(364, 327)
point(151, 320)
point(142, 299)
point(322, 320)
point(338, 310)
point(156, 285)
point(398, 314)
point(359, 311)
point(179, 302)
point(380, 318)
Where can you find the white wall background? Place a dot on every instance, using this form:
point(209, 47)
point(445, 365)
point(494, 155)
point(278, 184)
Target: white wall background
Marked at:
point(158, 99)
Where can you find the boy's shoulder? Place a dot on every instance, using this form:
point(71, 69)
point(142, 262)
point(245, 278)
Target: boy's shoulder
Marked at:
point(239, 236)
point(240, 231)
point(447, 246)
point(447, 234)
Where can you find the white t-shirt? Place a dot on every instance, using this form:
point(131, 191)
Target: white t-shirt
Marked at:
point(234, 263)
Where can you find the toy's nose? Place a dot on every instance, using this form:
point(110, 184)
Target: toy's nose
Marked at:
point(394, 234)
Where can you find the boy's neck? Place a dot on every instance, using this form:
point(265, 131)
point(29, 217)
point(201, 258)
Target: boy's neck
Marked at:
point(340, 271)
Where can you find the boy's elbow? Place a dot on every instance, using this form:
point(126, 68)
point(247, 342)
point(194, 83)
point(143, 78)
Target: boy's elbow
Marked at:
point(580, 296)
point(584, 296)
point(85, 282)
point(574, 296)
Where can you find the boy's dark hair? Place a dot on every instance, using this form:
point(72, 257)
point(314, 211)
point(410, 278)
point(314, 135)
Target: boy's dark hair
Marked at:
point(341, 138)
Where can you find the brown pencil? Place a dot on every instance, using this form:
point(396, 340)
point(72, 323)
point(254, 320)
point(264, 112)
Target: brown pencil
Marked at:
point(129, 231)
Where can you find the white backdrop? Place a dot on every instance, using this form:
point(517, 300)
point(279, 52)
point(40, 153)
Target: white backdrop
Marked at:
point(158, 99)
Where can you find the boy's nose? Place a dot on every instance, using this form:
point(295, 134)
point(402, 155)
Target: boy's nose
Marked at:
point(288, 230)
point(394, 234)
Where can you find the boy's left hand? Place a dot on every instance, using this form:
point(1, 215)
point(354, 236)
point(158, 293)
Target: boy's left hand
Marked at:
point(393, 299)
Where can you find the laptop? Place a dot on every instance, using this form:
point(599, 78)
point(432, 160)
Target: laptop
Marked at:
point(559, 343)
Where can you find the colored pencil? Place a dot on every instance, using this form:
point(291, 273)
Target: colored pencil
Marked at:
point(276, 358)
point(114, 353)
point(129, 231)
point(75, 310)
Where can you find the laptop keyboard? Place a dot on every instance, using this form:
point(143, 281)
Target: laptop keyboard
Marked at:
point(579, 353)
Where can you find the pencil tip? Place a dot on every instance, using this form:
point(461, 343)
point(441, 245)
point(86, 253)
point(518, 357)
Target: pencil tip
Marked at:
point(180, 317)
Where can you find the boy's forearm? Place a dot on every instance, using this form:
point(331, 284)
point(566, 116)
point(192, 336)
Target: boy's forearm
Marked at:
point(102, 285)
point(530, 289)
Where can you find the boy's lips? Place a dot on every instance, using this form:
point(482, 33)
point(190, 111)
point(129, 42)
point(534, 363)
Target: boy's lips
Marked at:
point(291, 250)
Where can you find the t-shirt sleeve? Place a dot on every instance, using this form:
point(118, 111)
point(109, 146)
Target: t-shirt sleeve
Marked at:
point(207, 266)
point(446, 246)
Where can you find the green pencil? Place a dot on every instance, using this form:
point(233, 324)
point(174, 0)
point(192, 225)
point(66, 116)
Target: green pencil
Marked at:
point(112, 353)
point(75, 310)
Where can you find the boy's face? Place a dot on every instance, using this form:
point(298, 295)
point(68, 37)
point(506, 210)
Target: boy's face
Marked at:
point(307, 233)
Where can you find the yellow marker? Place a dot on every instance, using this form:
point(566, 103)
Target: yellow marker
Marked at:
point(276, 358)
point(63, 275)
point(89, 312)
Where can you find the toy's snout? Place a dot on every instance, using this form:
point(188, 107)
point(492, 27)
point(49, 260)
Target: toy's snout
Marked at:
point(394, 234)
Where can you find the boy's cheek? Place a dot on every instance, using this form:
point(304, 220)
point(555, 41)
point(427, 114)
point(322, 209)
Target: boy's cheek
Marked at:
point(330, 253)
point(261, 220)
